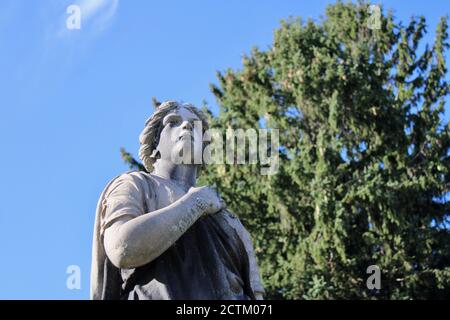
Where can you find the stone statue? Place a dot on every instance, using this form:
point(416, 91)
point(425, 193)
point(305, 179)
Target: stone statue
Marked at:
point(158, 236)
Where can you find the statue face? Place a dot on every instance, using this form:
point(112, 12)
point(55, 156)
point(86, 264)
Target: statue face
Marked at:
point(181, 138)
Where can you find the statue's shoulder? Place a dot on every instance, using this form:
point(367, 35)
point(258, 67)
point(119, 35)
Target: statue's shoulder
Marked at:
point(133, 175)
point(132, 185)
point(140, 180)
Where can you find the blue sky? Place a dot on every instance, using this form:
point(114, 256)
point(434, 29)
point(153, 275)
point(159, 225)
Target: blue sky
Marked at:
point(70, 99)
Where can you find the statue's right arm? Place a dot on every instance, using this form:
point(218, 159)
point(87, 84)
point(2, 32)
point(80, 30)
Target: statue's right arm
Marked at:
point(132, 242)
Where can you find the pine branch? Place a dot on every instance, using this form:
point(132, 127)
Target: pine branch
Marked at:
point(133, 164)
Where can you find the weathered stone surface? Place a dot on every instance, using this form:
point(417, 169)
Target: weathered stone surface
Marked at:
point(157, 236)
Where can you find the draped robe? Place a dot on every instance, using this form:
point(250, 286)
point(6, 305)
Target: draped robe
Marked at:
point(213, 259)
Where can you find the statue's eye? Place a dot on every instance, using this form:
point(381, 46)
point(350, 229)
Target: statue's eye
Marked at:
point(172, 121)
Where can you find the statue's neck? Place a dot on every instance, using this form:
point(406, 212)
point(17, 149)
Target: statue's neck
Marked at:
point(183, 174)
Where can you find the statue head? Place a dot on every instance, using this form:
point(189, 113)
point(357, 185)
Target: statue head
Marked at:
point(170, 128)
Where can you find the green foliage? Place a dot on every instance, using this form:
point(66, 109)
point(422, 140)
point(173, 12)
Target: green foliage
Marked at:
point(133, 164)
point(364, 157)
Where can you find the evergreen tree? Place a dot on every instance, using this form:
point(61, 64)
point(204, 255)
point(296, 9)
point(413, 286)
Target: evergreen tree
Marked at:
point(364, 156)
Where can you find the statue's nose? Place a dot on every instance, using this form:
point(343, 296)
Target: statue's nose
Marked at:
point(186, 125)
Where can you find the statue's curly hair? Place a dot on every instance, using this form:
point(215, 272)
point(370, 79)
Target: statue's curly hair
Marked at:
point(149, 137)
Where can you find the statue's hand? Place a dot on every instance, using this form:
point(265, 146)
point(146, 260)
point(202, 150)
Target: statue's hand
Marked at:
point(207, 199)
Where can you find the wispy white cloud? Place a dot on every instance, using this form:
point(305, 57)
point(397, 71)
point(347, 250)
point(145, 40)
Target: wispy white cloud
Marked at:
point(101, 10)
